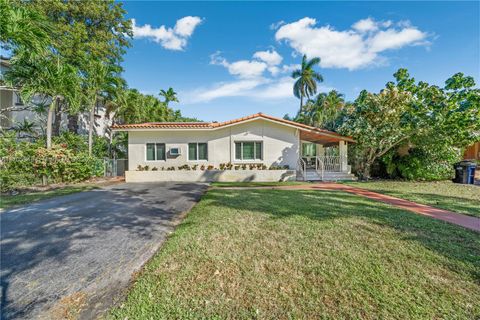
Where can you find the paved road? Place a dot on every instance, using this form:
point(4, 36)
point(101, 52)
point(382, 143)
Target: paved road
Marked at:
point(84, 247)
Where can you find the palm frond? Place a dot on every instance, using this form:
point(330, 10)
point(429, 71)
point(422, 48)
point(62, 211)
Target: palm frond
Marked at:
point(313, 62)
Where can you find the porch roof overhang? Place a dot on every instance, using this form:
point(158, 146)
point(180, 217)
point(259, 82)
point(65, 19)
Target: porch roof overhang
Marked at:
point(322, 137)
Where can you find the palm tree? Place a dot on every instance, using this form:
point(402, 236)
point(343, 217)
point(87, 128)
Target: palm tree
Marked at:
point(306, 79)
point(45, 76)
point(322, 111)
point(169, 95)
point(333, 104)
point(101, 78)
point(27, 128)
point(21, 26)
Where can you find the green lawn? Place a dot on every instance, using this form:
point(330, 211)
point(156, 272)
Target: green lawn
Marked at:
point(7, 201)
point(283, 254)
point(443, 194)
point(256, 184)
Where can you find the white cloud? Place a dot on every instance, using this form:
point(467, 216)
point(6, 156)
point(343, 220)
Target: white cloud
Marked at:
point(229, 89)
point(262, 61)
point(352, 49)
point(365, 25)
point(186, 25)
point(393, 39)
point(170, 38)
point(243, 68)
point(272, 58)
point(247, 69)
point(279, 89)
point(266, 89)
point(290, 67)
point(252, 79)
point(274, 26)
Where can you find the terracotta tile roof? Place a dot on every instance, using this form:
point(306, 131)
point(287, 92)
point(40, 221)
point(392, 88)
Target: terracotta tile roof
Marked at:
point(214, 125)
point(164, 125)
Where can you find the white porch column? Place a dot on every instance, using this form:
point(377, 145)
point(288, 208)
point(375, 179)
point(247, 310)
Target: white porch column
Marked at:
point(320, 150)
point(342, 148)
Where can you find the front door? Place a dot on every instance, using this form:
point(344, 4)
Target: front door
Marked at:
point(309, 152)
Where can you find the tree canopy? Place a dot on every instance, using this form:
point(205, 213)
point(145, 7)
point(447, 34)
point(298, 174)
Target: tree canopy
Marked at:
point(413, 115)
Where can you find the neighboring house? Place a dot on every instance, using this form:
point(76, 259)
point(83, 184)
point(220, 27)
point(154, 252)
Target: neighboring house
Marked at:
point(12, 108)
point(254, 148)
point(472, 152)
point(14, 111)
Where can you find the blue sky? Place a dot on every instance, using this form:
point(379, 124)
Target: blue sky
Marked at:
point(231, 59)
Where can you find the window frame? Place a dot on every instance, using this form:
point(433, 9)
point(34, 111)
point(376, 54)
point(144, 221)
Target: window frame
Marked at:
point(255, 159)
point(197, 152)
point(155, 151)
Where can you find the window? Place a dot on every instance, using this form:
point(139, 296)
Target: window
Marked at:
point(18, 99)
point(309, 149)
point(197, 151)
point(248, 150)
point(156, 151)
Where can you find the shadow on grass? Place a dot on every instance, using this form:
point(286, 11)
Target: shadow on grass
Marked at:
point(451, 241)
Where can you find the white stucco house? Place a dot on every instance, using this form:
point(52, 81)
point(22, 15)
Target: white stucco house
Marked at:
point(258, 147)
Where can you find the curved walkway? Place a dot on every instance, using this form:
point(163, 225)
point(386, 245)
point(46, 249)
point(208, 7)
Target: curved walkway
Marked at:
point(465, 221)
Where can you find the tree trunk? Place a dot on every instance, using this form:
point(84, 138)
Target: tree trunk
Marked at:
point(58, 118)
point(73, 123)
point(366, 171)
point(110, 140)
point(91, 123)
point(51, 110)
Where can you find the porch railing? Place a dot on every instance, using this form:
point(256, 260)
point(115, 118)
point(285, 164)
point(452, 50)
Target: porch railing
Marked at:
point(322, 164)
point(302, 168)
point(331, 163)
point(319, 166)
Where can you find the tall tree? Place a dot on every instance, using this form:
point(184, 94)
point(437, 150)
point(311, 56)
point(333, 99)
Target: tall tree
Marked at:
point(322, 111)
point(410, 113)
point(169, 95)
point(86, 32)
point(100, 79)
point(20, 26)
point(377, 123)
point(46, 76)
point(306, 77)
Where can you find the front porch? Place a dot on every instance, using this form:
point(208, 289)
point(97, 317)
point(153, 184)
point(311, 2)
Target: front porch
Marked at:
point(323, 157)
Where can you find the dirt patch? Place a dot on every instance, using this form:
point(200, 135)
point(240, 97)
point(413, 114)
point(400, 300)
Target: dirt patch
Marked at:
point(69, 307)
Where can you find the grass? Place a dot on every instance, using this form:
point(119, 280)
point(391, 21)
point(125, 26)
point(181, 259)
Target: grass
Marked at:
point(7, 201)
point(447, 195)
point(303, 254)
point(256, 184)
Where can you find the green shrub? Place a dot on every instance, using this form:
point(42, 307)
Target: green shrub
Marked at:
point(429, 162)
point(24, 164)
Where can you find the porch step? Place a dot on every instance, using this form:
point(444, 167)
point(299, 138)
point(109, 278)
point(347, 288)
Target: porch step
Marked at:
point(327, 176)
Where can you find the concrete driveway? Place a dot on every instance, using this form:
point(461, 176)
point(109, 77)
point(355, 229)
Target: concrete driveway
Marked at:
point(82, 249)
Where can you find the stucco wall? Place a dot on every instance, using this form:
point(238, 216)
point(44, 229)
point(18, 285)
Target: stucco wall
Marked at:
point(280, 144)
point(211, 175)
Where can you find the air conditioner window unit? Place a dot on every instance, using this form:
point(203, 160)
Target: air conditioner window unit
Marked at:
point(175, 151)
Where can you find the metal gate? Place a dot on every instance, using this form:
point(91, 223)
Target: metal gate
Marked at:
point(115, 167)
